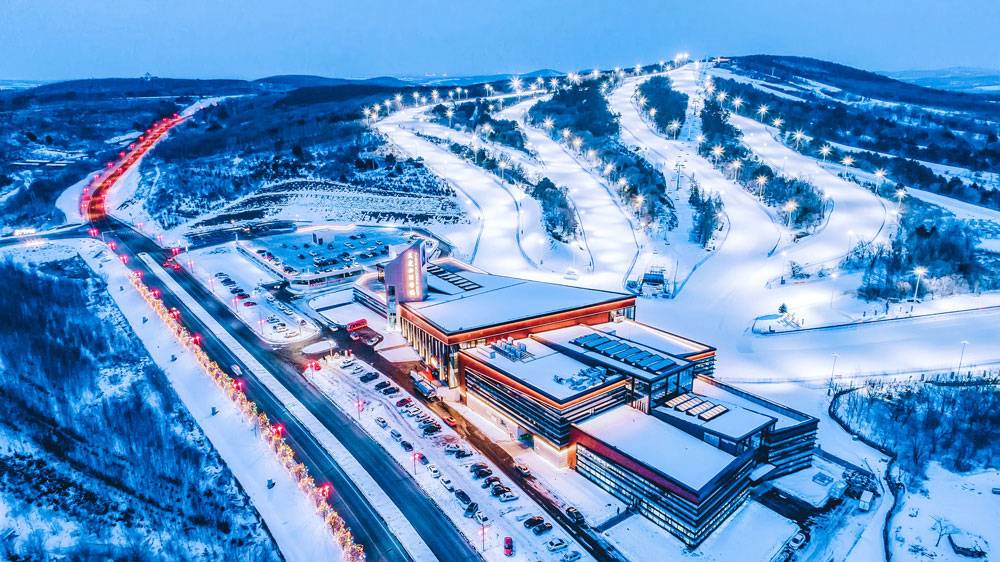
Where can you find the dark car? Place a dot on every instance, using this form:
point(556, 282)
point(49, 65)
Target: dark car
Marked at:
point(499, 490)
point(406, 446)
point(423, 459)
point(403, 402)
point(542, 529)
point(471, 509)
point(432, 429)
point(477, 466)
point(533, 521)
point(490, 481)
point(383, 384)
point(463, 497)
point(462, 453)
point(390, 391)
point(369, 377)
point(574, 515)
point(235, 291)
point(482, 473)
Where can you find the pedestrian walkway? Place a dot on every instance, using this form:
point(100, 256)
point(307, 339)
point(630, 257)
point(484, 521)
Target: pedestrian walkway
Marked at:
point(615, 519)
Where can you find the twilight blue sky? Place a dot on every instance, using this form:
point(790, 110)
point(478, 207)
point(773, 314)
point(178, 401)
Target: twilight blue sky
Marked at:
point(61, 39)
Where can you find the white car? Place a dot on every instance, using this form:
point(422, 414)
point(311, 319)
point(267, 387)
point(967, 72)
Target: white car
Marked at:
point(451, 448)
point(508, 496)
point(556, 545)
point(381, 421)
point(434, 471)
point(446, 482)
point(483, 519)
point(570, 556)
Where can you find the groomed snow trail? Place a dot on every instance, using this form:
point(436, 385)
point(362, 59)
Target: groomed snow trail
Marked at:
point(483, 198)
point(609, 232)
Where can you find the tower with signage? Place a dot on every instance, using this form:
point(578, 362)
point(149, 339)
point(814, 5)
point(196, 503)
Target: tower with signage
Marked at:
point(405, 279)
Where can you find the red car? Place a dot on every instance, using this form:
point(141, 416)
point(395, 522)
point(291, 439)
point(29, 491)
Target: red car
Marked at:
point(242, 296)
point(508, 546)
point(450, 421)
point(249, 303)
point(403, 402)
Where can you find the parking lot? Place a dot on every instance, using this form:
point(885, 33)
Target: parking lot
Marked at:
point(443, 465)
point(323, 256)
point(240, 284)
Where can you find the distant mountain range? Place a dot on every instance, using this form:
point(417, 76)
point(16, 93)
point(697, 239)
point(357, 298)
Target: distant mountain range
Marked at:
point(956, 78)
point(477, 79)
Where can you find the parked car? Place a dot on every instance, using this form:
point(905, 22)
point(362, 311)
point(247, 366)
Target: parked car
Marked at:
point(406, 445)
point(571, 556)
point(452, 448)
point(446, 482)
point(574, 515)
point(490, 481)
point(499, 490)
point(799, 540)
point(462, 453)
point(508, 546)
point(542, 529)
point(482, 473)
point(249, 303)
point(369, 377)
point(423, 459)
point(477, 466)
point(242, 296)
point(390, 391)
point(482, 518)
point(434, 471)
point(509, 497)
point(450, 421)
point(432, 429)
point(522, 470)
point(403, 402)
point(555, 544)
point(471, 509)
point(383, 384)
point(396, 436)
point(463, 497)
point(381, 421)
point(533, 521)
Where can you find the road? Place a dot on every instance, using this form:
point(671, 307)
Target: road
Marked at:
point(430, 523)
point(368, 527)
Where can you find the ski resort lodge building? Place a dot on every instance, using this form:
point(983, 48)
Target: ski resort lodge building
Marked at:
point(567, 371)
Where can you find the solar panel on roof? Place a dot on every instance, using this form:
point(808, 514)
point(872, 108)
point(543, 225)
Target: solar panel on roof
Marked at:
point(584, 339)
point(629, 350)
point(610, 347)
point(648, 360)
point(713, 413)
point(634, 359)
point(592, 344)
point(700, 408)
point(688, 405)
point(677, 400)
point(656, 367)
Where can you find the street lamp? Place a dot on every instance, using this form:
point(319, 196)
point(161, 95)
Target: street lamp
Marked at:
point(790, 208)
point(962, 356)
point(717, 151)
point(737, 104)
point(919, 271)
point(674, 127)
point(762, 111)
point(847, 161)
point(548, 123)
point(825, 151)
point(761, 182)
point(482, 533)
point(415, 456)
point(900, 193)
point(777, 122)
point(450, 113)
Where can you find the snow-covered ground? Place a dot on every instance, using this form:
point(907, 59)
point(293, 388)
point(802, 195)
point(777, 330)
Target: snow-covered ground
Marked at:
point(344, 389)
point(963, 502)
point(290, 516)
